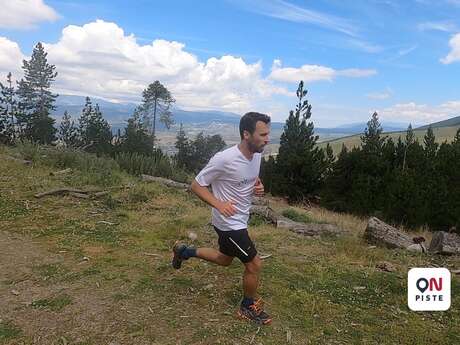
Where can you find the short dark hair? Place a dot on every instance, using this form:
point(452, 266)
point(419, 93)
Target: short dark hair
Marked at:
point(249, 120)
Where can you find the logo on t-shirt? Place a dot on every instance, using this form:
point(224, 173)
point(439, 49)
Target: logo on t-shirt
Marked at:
point(243, 182)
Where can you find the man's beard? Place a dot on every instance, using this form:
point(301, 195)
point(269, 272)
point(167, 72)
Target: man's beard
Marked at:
point(253, 148)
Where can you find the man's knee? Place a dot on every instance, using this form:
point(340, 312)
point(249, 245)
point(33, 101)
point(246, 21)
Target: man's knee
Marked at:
point(255, 265)
point(225, 260)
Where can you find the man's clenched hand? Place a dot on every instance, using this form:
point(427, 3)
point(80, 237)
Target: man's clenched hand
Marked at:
point(259, 188)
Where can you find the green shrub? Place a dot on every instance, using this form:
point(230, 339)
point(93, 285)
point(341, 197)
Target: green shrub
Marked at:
point(157, 164)
point(94, 169)
point(297, 216)
point(29, 150)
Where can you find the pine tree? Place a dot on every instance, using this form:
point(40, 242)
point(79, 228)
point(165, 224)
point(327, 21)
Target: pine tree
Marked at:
point(183, 148)
point(410, 139)
point(136, 138)
point(400, 151)
point(156, 100)
point(372, 140)
point(367, 185)
point(448, 186)
point(337, 188)
point(202, 149)
point(389, 155)
point(430, 146)
point(414, 155)
point(84, 122)
point(456, 140)
point(330, 158)
point(68, 132)
point(300, 163)
point(36, 98)
point(268, 174)
point(94, 130)
point(9, 110)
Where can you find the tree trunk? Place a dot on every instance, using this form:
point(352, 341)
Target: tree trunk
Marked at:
point(165, 181)
point(154, 120)
point(58, 191)
point(265, 212)
point(257, 200)
point(382, 234)
point(445, 243)
point(309, 229)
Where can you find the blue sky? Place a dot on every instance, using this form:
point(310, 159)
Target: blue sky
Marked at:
point(401, 58)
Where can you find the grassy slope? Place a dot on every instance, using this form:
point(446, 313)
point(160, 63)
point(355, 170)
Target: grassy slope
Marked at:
point(121, 294)
point(442, 134)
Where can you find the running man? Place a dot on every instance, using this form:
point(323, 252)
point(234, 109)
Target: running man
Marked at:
point(234, 177)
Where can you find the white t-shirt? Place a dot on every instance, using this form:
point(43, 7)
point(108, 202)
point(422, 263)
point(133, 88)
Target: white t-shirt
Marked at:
point(232, 177)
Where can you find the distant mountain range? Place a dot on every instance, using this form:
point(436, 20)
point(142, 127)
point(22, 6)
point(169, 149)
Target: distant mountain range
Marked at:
point(454, 121)
point(118, 113)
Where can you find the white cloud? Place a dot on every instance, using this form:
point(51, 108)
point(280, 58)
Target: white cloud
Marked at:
point(25, 14)
point(356, 72)
point(454, 54)
point(421, 113)
point(311, 73)
point(284, 10)
point(99, 59)
point(10, 58)
point(365, 46)
point(437, 26)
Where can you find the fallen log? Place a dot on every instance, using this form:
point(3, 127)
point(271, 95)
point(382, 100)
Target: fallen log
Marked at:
point(445, 243)
point(260, 201)
point(265, 212)
point(59, 191)
point(165, 181)
point(99, 194)
point(80, 195)
point(309, 229)
point(381, 234)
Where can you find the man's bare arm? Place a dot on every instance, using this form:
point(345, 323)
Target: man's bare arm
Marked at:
point(226, 208)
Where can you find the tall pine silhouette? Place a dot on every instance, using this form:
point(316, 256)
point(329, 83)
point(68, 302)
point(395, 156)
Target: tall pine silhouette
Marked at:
point(300, 163)
point(9, 110)
point(36, 98)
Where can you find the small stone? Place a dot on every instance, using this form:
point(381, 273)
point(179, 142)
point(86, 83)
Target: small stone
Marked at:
point(417, 247)
point(15, 292)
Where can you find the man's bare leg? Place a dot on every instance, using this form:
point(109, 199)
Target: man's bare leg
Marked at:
point(251, 277)
point(213, 255)
point(252, 309)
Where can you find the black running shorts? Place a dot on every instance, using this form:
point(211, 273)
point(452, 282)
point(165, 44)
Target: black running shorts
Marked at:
point(236, 243)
